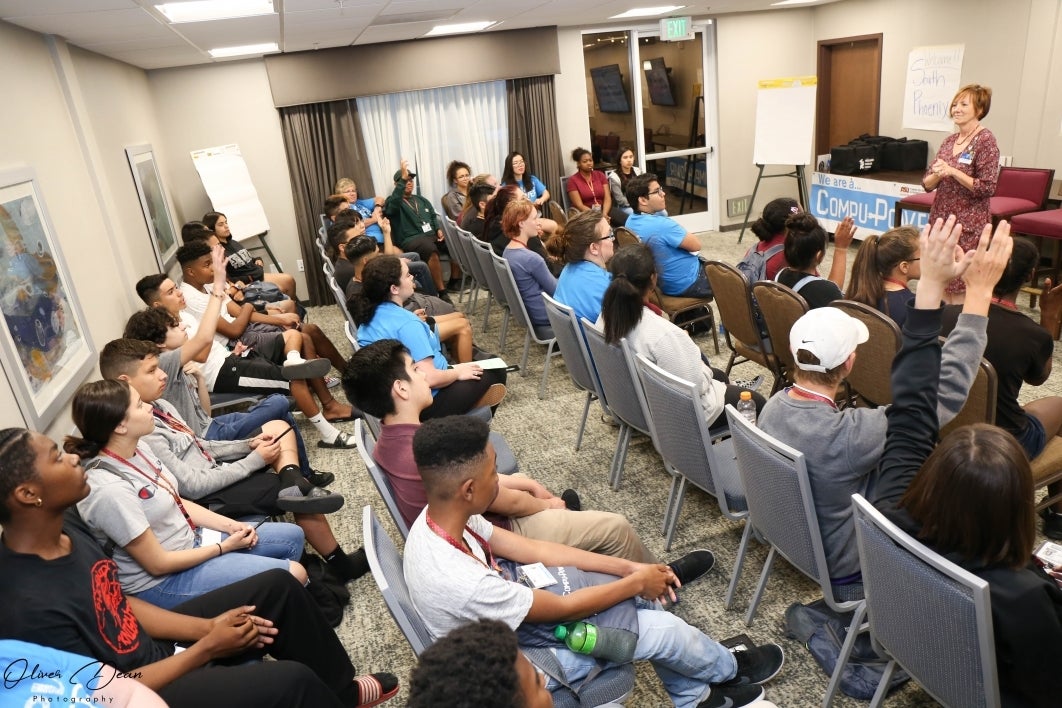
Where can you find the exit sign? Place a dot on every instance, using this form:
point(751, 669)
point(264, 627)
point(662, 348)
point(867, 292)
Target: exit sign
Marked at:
point(676, 29)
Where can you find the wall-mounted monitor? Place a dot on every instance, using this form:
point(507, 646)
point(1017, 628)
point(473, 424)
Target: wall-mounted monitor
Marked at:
point(609, 89)
point(659, 82)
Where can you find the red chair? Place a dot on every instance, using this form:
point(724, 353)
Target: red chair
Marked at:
point(916, 202)
point(1041, 226)
point(1018, 190)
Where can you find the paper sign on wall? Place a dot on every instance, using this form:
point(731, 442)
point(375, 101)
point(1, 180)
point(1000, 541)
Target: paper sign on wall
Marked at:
point(229, 187)
point(934, 75)
point(785, 121)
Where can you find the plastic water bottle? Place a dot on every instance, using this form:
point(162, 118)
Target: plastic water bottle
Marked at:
point(602, 642)
point(746, 407)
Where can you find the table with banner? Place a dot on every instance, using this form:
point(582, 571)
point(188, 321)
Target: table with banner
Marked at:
point(869, 200)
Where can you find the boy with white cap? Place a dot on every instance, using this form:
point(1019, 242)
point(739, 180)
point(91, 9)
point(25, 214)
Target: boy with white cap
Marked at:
point(842, 447)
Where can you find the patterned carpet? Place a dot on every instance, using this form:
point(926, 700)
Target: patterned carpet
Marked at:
point(542, 434)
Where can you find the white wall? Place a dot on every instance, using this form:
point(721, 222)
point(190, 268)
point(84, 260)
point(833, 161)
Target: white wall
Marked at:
point(573, 119)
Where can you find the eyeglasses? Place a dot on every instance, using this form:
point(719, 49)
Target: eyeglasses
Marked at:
point(611, 236)
point(658, 190)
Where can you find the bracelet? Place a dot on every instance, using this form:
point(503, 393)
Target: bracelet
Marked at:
point(221, 551)
point(219, 296)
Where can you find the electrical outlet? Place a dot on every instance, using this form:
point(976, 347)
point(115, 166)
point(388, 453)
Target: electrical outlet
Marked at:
point(1006, 160)
point(300, 266)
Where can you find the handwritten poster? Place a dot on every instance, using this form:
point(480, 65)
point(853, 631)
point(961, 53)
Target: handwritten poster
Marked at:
point(228, 184)
point(932, 79)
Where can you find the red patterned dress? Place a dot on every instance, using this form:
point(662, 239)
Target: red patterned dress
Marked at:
point(980, 160)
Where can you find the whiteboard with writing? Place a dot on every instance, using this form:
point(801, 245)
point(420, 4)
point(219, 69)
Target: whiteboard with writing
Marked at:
point(228, 185)
point(934, 75)
point(785, 121)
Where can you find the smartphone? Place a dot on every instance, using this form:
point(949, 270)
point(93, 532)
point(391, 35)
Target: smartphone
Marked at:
point(1049, 554)
point(261, 522)
point(283, 434)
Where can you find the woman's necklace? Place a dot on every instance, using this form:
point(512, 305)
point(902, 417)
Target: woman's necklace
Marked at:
point(963, 141)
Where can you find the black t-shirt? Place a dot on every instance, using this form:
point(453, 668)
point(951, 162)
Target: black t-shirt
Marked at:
point(1018, 349)
point(818, 293)
point(74, 603)
point(241, 265)
point(344, 272)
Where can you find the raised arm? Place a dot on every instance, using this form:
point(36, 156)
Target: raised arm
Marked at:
point(842, 239)
point(204, 333)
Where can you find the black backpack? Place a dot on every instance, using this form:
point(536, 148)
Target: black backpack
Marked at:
point(328, 591)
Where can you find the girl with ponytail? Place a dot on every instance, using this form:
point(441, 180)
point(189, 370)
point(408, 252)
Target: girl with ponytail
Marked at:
point(882, 268)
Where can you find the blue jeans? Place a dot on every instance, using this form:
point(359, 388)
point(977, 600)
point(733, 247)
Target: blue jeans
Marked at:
point(247, 424)
point(700, 287)
point(684, 658)
point(277, 544)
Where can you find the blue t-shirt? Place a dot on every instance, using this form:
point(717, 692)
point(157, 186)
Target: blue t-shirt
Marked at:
point(364, 207)
point(39, 675)
point(536, 191)
point(678, 267)
point(392, 322)
point(532, 278)
point(581, 286)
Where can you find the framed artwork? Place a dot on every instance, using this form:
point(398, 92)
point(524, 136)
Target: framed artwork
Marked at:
point(46, 347)
point(154, 203)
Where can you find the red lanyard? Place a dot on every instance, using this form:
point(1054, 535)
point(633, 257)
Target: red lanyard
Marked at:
point(441, 533)
point(896, 282)
point(159, 481)
point(1005, 303)
point(177, 426)
point(813, 395)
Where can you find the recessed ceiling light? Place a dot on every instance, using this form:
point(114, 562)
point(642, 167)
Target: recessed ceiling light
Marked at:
point(793, 2)
point(647, 11)
point(462, 28)
point(266, 48)
point(204, 10)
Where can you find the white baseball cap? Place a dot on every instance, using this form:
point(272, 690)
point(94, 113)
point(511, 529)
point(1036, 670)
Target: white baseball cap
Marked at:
point(829, 334)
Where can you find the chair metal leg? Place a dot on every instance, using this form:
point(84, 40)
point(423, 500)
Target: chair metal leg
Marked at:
point(883, 686)
point(486, 312)
point(582, 424)
point(675, 481)
point(739, 562)
point(545, 370)
point(619, 458)
point(474, 299)
point(715, 330)
point(502, 344)
point(854, 629)
point(760, 588)
point(523, 359)
point(672, 523)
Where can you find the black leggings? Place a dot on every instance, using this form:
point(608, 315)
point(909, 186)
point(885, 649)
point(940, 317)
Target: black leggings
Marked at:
point(460, 397)
point(312, 668)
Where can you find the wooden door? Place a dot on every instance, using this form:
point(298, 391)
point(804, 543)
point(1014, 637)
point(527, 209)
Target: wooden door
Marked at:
point(849, 96)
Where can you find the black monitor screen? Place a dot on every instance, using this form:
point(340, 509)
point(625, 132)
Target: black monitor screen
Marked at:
point(659, 83)
point(608, 85)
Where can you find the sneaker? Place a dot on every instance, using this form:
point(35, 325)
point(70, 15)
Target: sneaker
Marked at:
point(750, 384)
point(320, 479)
point(445, 297)
point(492, 397)
point(295, 369)
point(732, 696)
point(571, 500)
point(332, 381)
point(316, 501)
point(692, 566)
point(756, 666)
point(1052, 524)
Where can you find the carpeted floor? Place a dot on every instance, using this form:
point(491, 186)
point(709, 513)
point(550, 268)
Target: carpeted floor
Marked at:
point(542, 434)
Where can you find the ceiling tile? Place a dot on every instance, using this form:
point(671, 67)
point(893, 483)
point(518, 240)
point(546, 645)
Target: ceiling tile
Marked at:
point(233, 32)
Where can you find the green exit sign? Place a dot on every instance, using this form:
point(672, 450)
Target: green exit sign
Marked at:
point(676, 29)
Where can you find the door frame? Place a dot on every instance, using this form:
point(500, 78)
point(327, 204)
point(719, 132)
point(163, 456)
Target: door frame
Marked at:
point(822, 101)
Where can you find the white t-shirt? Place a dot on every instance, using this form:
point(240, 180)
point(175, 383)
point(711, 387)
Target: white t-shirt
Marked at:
point(450, 589)
point(218, 352)
point(196, 301)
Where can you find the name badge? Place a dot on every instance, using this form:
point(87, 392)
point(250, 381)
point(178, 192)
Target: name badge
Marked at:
point(425, 227)
point(536, 576)
point(966, 158)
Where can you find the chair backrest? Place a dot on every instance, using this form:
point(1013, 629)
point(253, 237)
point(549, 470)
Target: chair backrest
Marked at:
point(458, 248)
point(572, 344)
point(468, 243)
point(733, 297)
point(556, 212)
point(617, 379)
point(780, 504)
point(351, 332)
point(626, 237)
point(484, 255)
point(871, 375)
point(366, 444)
point(780, 307)
point(385, 561)
point(684, 441)
point(513, 297)
point(325, 223)
point(932, 616)
point(1031, 183)
point(980, 406)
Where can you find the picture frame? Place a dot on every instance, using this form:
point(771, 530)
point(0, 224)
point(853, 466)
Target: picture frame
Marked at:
point(154, 203)
point(44, 339)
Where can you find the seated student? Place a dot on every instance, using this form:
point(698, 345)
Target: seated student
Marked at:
point(530, 271)
point(842, 448)
point(481, 648)
point(60, 590)
point(162, 545)
point(256, 371)
point(770, 230)
point(472, 217)
point(386, 284)
point(452, 582)
point(585, 246)
point(340, 234)
point(882, 269)
point(494, 234)
point(370, 209)
point(675, 249)
point(517, 172)
point(625, 312)
point(805, 247)
point(1020, 350)
point(347, 228)
point(334, 205)
point(459, 177)
point(588, 188)
point(617, 183)
point(300, 338)
point(381, 377)
point(241, 265)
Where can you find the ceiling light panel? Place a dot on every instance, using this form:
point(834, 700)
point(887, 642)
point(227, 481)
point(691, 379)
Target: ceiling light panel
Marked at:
point(207, 10)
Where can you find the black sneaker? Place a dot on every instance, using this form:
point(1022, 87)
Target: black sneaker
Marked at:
point(732, 696)
point(692, 566)
point(320, 479)
point(571, 500)
point(756, 666)
point(1052, 524)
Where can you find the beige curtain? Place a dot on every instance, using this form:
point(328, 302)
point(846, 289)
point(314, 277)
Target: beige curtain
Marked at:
point(532, 107)
point(323, 142)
